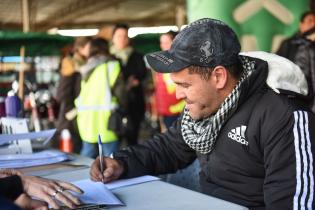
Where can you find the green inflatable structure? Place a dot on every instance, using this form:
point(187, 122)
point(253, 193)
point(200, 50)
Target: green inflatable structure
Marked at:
point(260, 24)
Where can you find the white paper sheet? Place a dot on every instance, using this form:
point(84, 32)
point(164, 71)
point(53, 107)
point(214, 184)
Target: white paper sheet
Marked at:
point(132, 181)
point(32, 159)
point(47, 134)
point(96, 193)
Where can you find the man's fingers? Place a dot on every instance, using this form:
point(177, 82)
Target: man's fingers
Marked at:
point(94, 178)
point(96, 175)
point(108, 172)
point(95, 172)
point(113, 169)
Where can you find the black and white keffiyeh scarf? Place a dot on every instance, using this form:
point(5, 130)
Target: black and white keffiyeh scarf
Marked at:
point(201, 135)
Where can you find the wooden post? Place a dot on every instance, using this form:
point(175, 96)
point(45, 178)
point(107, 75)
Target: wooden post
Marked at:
point(26, 15)
point(21, 74)
point(26, 28)
point(180, 16)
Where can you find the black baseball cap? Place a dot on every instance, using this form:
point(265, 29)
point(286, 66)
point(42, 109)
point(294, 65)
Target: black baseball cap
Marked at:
point(206, 42)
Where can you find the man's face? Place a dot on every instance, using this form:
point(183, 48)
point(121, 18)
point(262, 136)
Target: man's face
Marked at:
point(201, 96)
point(307, 23)
point(165, 42)
point(120, 38)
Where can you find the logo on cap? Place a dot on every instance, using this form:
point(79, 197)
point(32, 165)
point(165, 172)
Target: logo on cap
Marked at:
point(162, 58)
point(206, 50)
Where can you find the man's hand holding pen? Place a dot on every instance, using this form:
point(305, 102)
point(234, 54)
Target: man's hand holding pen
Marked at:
point(113, 169)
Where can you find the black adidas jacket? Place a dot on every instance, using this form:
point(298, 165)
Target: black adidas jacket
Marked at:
point(263, 157)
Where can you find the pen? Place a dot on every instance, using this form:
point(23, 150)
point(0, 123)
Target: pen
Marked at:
point(100, 151)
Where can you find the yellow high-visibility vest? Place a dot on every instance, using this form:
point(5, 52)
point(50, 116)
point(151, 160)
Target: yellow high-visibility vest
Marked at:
point(95, 103)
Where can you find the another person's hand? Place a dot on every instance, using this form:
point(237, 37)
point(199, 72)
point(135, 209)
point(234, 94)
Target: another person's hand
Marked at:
point(9, 172)
point(113, 169)
point(27, 203)
point(51, 191)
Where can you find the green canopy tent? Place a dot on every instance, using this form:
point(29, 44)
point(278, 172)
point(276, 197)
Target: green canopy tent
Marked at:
point(146, 43)
point(35, 43)
point(43, 44)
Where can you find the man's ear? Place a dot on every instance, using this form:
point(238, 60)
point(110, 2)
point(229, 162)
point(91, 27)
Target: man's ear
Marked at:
point(220, 75)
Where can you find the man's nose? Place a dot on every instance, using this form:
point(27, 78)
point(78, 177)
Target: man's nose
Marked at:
point(179, 93)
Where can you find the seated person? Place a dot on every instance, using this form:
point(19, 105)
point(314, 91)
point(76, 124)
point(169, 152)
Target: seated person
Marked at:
point(245, 120)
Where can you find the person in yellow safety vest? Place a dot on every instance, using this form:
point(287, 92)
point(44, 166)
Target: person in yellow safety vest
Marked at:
point(96, 101)
point(167, 106)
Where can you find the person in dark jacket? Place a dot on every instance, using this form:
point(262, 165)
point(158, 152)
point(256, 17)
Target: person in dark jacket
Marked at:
point(25, 192)
point(244, 120)
point(69, 89)
point(288, 47)
point(134, 73)
point(301, 50)
point(305, 58)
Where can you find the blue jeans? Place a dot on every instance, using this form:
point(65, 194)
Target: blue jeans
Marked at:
point(91, 149)
point(187, 177)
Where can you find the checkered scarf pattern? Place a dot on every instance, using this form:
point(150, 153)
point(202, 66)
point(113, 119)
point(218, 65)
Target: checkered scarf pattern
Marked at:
point(201, 135)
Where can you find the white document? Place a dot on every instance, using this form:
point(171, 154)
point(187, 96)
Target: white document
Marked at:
point(96, 193)
point(32, 159)
point(132, 181)
point(47, 135)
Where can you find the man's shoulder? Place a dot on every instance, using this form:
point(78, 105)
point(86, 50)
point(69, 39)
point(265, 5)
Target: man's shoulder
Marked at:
point(273, 109)
point(285, 101)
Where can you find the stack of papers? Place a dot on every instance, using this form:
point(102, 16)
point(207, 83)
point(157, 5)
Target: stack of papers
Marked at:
point(44, 135)
point(32, 159)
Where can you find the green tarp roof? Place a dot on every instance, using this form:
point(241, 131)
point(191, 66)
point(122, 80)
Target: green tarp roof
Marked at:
point(36, 43)
point(43, 44)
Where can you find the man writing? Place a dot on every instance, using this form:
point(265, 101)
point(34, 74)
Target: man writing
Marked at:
point(243, 120)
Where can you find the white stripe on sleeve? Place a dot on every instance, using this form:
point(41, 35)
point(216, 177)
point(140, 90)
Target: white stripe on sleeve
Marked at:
point(304, 175)
point(298, 162)
point(311, 172)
